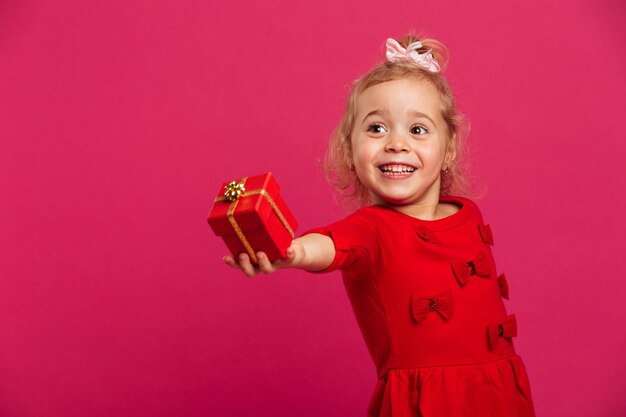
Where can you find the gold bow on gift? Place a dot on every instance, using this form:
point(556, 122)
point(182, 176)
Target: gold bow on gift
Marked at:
point(235, 190)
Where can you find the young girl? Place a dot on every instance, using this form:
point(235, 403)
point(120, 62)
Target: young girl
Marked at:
point(416, 260)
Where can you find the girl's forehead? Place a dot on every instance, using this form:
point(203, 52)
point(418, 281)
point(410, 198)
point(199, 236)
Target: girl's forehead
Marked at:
point(404, 95)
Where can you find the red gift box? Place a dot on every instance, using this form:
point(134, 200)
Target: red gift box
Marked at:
point(250, 216)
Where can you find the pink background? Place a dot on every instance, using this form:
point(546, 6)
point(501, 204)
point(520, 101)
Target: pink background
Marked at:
point(120, 119)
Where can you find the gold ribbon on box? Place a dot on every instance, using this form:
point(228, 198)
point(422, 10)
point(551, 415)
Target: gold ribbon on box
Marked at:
point(236, 190)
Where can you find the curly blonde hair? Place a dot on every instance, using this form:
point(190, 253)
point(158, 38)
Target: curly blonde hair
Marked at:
point(338, 159)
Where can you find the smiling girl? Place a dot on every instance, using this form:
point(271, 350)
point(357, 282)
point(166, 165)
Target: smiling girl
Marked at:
point(415, 258)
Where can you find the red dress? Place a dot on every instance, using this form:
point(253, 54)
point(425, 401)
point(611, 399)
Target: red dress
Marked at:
point(429, 304)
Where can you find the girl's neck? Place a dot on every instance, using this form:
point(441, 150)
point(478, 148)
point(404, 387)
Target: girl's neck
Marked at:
point(427, 209)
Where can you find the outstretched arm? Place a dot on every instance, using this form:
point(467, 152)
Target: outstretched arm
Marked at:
point(312, 252)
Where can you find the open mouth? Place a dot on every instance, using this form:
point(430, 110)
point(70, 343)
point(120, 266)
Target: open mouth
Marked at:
point(396, 169)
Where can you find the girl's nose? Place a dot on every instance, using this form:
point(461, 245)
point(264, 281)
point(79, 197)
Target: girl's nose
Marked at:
point(396, 143)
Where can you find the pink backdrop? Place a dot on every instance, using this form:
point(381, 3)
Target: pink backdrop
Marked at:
point(120, 119)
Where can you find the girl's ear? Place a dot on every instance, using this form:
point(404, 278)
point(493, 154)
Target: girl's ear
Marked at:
point(450, 151)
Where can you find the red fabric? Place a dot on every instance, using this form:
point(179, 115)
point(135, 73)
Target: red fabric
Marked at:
point(429, 367)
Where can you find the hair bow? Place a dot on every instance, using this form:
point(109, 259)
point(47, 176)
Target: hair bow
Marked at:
point(507, 328)
point(478, 266)
point(395, 53)
point(485, 233)
point(442, 303)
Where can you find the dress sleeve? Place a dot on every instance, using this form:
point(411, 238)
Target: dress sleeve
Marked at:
point(355, 243)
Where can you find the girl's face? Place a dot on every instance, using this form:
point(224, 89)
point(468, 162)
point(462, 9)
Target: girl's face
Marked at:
point(400, 142)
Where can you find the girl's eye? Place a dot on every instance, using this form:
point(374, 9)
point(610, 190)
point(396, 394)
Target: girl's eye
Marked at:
point(376, 128)
point(419, 130)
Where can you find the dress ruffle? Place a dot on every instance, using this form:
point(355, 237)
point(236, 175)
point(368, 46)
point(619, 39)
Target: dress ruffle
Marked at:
point(498, 388)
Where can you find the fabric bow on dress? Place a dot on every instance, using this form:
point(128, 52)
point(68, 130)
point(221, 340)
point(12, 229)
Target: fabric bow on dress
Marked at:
point(442, 303)
point(426, 234)
point(507, 328)
point(485, 233)
point(504, 286)
point(477, 266)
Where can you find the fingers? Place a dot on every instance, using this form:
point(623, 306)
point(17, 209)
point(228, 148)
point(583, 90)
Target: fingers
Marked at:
point(264, 265)
point(248, 268)
point(230, 261)
point(287, 261)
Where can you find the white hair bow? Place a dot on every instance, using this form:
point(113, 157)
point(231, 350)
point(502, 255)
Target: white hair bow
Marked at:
point(395, 53)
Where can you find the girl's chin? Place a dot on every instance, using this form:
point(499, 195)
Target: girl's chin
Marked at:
point(391, 201)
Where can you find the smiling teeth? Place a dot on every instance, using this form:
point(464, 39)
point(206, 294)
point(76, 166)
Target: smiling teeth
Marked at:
point(396, 169)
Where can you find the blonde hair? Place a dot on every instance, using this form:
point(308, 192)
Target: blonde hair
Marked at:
point(338, 159)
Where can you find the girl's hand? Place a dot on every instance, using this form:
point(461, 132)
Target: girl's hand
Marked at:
point(295, 253)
